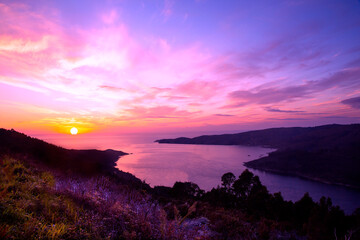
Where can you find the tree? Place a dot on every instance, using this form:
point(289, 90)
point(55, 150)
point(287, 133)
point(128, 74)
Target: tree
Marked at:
point(243, 184)
point(227, 180)
point(303, 208)
point(186, 189)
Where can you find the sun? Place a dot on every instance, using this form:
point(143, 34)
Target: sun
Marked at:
point(73, 131)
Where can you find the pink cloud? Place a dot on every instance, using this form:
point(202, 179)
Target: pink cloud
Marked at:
point(105, 70)
point(198, 89)
point(7, 43)
point(158, 112)
point(267, 94)
point(111, 88)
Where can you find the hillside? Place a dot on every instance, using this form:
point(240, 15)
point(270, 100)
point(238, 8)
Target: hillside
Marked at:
point(329, 153)
point(66, 161)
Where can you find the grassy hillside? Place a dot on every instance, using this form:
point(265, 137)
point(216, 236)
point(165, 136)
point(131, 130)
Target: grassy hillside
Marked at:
point(35, 205)
point(329, 153)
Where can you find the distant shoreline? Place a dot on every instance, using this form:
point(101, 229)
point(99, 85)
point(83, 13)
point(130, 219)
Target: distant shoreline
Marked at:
point(319, 180)
point(328, 154)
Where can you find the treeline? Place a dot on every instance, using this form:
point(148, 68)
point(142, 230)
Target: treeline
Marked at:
point(246, 195)
point(317, 220)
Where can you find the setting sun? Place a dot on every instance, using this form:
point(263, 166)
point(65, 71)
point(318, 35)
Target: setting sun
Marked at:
point(74, 131)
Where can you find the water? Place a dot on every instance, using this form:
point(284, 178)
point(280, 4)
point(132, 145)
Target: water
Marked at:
point(164, 164)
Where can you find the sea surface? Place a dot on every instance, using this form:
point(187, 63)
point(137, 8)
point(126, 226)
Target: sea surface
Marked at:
point(164, 164)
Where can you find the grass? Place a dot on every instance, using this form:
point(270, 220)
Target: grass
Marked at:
point(36, 205)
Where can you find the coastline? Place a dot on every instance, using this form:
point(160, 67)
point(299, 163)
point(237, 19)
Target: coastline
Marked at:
point(270, 170)
point(302, 176)
point(313, 153)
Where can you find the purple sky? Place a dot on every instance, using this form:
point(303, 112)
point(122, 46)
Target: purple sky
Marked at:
point(130, 66)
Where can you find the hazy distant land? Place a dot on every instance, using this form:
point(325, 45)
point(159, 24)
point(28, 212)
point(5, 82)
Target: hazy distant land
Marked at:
point(329, 153)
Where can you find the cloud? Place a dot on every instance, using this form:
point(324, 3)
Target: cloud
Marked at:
point(352, 102)
point(287, 51)
point(348, 78)
point(10, 44)
point(79, 62)
point(288, 119)
point(339, 117)
point(197, 89)
point(105, 68)
point(224, 115)
point(158, 112)
point(111, 88)
point(269, 109)
point(35, 43)
point(45, 56)
point(268, 95)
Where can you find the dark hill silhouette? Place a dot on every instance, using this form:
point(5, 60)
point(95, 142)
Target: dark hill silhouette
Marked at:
point(329, 153)
point(67, 161)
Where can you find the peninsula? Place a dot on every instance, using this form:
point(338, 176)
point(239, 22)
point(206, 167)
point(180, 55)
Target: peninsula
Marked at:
point(328, 153)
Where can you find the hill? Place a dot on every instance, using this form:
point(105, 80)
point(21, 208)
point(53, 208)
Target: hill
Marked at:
point(329, 153)
point(67, 161)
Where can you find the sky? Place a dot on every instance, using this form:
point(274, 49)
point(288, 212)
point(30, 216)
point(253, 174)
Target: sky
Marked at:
point(178, 66)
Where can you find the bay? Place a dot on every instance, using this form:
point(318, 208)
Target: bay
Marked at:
point(164, 164)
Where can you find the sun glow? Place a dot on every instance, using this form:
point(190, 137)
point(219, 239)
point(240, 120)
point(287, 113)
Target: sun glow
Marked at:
point(73, 131)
